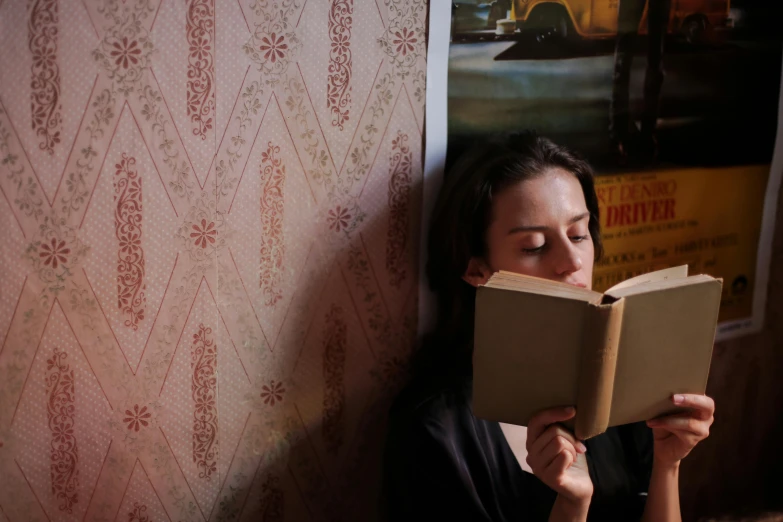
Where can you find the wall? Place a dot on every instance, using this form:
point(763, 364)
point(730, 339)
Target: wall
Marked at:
point(209, 241)
point(737, 469)
point(209, 226)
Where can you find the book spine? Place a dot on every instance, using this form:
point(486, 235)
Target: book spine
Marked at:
point(596, 373)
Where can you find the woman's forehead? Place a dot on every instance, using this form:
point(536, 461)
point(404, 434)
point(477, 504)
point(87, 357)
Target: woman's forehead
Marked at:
point(554, 193)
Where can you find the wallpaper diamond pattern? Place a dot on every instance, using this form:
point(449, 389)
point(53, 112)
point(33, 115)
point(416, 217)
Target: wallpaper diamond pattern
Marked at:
point(209, 224)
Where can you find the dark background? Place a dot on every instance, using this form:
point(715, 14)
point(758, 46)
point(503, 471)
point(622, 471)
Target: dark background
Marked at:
point(718, 103)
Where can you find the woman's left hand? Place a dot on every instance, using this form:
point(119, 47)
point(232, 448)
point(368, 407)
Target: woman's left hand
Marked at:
point(676, 435)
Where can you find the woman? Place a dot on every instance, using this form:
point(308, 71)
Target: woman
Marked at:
point(527, 206)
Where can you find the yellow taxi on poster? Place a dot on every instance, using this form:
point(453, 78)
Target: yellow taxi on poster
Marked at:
point(598, 18)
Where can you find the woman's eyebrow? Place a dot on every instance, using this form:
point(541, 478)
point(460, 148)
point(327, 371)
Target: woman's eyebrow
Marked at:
point(578, 218)
point(541, 228)
point(523, 228)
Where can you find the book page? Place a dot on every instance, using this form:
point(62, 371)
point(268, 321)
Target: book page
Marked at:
point(665, 347)
point(652, 286)
point(537, 285)
point(675, 272)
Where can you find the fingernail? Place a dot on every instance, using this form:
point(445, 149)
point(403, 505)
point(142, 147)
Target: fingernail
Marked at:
point(678, 399)
point(581, 448)
point(570, 410)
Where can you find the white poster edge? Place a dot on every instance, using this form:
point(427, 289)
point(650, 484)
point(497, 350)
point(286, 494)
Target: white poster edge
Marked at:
point(754, 324)
point(435, 135)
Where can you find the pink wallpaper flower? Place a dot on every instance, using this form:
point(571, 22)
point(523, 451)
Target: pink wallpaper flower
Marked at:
point(209, 218)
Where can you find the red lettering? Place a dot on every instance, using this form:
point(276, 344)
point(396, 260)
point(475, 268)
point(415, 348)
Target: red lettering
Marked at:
point(669, 214)
point(657, 211)
point(605, 194)
point(645, 211)
point(625, 211)
point(640, 212)
point(615, 217)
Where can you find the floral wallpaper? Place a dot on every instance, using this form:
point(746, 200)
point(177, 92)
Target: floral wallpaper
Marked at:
point(210, 224)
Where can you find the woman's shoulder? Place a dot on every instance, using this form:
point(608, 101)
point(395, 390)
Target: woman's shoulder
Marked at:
point(432, 398)
point(425, 420)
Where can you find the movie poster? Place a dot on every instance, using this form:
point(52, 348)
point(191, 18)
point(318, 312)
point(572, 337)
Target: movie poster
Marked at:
point(675, 104)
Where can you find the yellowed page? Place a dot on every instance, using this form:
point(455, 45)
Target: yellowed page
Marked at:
point(538, 285)
point(675, 272)
point(665, 348)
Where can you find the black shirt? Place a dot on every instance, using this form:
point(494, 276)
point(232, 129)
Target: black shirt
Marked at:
point(442, 463)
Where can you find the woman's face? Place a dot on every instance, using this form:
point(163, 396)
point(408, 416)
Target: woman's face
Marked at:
point(539, 228)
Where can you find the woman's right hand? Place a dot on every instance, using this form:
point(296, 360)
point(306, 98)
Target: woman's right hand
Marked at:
point(557, 458)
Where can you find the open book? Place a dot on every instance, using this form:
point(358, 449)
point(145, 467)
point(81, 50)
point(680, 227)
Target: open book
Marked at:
point(618, 357)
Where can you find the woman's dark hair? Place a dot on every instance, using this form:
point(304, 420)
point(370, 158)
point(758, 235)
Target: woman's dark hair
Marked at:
point(460, 219)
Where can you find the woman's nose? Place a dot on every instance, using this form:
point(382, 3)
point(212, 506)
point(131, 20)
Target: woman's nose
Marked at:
point(569, 259)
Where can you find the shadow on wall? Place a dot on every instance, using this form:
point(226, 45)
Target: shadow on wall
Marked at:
point(319, 457)
point(731, 476)
point(734, 475)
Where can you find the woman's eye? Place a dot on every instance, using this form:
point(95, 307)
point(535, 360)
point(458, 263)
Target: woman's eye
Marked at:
point(578, 239)
point(533, 250)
